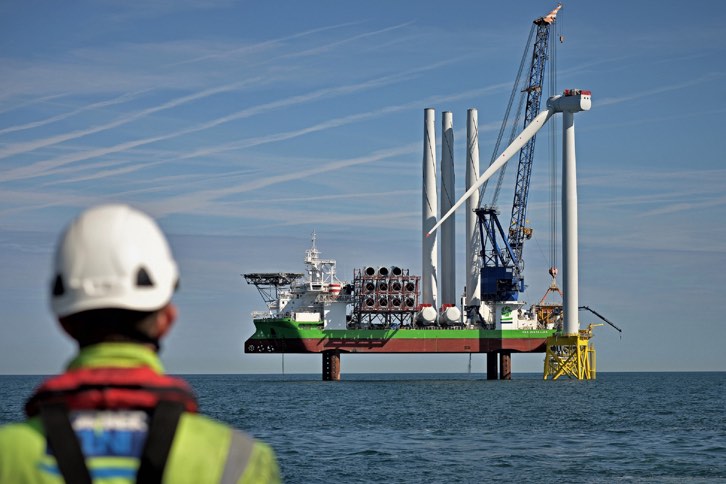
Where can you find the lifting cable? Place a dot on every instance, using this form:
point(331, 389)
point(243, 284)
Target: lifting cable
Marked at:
point(512, 135)
point(515, 88)
point(554, 205)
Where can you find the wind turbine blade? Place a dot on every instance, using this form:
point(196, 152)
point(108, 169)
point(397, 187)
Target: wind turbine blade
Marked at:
point(516, 145)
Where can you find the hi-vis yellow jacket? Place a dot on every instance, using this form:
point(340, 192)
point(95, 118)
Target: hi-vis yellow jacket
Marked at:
point(202, 450)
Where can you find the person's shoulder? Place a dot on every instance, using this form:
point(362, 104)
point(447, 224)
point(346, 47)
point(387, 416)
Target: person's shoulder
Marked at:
point(204, 427)
point(201, 425)
point(244, 456)
point(21, 440)
point(29, 430)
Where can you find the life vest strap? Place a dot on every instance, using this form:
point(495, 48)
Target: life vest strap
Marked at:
point(158, 442)
point(63, 442)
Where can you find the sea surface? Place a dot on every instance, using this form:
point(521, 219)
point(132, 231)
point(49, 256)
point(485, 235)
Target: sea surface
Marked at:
point(622, 427)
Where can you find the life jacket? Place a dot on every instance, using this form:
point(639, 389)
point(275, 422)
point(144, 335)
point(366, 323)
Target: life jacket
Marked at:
point(138, 388)
point(111, 390)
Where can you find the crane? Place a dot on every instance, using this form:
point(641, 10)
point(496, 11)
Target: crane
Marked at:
point(503, 261)
point(518, 231)
point(501, 265)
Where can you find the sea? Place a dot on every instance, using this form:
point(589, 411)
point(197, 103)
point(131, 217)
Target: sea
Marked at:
point(462, 428)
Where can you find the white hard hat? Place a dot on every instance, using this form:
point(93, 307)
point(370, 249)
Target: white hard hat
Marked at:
point(112, 256)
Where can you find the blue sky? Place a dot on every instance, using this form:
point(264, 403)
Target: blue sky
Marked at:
point(244, 126)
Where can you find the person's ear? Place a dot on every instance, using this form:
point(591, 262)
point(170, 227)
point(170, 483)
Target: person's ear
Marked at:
point(165, 319)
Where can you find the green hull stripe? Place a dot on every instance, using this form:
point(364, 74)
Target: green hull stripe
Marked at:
point(286, 328)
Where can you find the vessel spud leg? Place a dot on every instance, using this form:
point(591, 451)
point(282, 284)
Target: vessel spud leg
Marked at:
point(331, 365)
point(505, 366)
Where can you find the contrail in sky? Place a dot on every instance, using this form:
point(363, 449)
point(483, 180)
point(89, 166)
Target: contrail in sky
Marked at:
point(59, 117)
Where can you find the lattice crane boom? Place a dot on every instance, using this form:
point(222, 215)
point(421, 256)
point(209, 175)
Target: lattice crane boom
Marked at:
point(518, 231)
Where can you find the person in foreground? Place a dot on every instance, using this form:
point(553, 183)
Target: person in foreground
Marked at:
point(114, 416)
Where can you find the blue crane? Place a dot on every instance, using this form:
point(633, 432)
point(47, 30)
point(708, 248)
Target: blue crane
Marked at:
point(503, 266)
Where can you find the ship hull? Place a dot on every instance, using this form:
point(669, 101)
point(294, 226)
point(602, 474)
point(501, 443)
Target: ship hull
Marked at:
point(285, 336)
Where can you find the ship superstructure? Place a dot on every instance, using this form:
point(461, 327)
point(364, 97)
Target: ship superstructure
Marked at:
point(315, 298)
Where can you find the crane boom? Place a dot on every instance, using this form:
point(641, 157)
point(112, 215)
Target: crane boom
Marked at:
point(518, 232)
point(550, 17)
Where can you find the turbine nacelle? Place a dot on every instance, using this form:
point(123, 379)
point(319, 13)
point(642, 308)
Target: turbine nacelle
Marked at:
point(571, 101)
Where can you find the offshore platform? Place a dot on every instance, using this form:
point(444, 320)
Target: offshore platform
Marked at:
point(390, 310)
